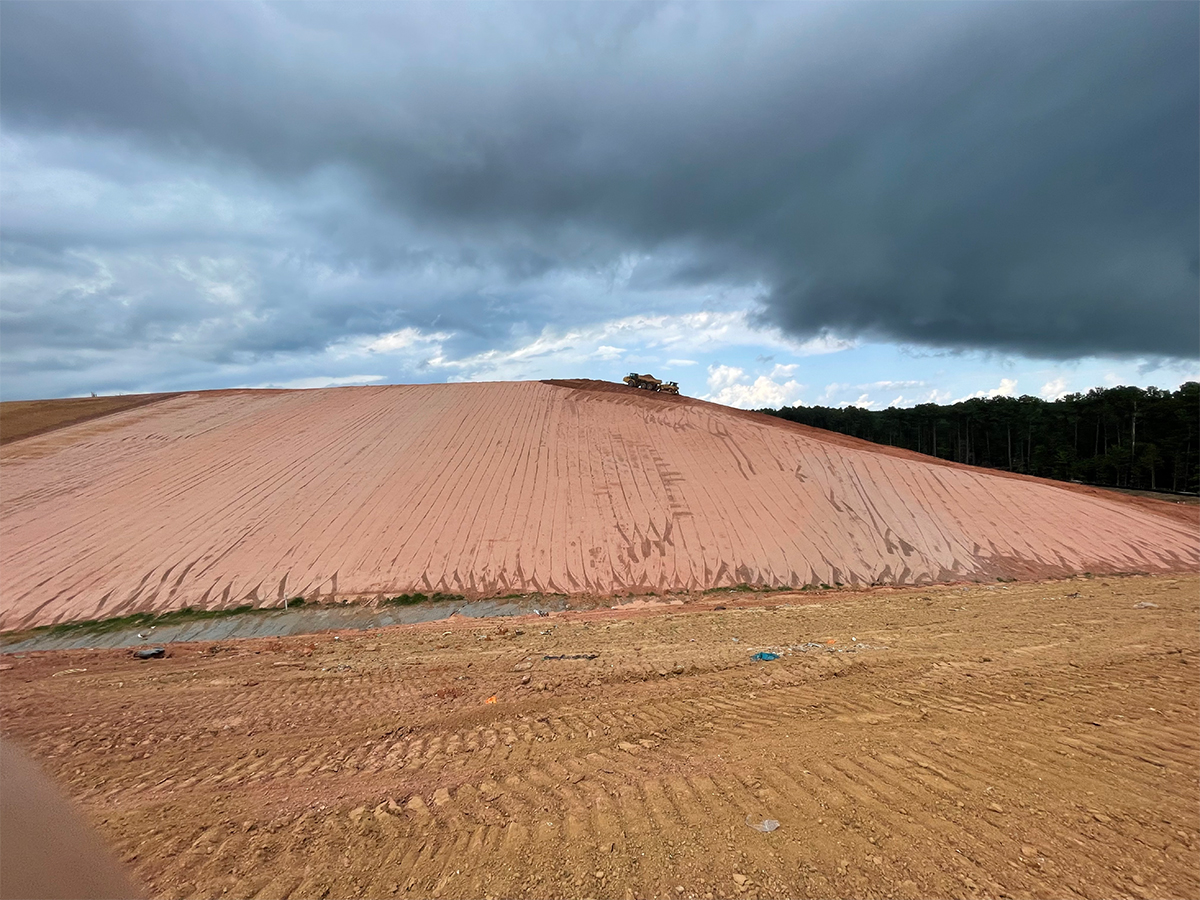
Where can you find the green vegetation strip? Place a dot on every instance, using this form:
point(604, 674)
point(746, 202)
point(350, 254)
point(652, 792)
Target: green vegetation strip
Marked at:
point(413, 599)
point(145, 620)
point(744, 588)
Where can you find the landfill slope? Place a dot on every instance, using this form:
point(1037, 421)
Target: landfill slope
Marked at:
point(229, 497)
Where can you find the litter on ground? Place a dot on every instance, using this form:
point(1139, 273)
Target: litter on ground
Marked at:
point(764, 825)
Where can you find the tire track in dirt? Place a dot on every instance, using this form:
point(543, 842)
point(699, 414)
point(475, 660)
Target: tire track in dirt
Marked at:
point(1025, 740)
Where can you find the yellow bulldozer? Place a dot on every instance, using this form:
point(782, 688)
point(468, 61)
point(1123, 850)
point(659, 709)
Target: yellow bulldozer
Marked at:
point(650, 383)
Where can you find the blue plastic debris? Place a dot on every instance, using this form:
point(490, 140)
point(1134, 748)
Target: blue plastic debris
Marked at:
point(765, 657)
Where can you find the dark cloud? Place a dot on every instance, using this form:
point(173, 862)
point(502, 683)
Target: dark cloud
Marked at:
point(1016, 177)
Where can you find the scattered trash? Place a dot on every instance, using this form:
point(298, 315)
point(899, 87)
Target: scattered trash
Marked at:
point(574, 656)
point(541, 612)
point(150, 653)
point(766, 825)
point(336, 638)
point(828, 647)
point(765, 657)
point(831, 641)
point(737, 640)
point(1145, 604)
point(67, 672)
point(491, 699)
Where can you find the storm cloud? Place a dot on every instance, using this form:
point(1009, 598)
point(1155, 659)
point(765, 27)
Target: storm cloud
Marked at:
point(239, 181)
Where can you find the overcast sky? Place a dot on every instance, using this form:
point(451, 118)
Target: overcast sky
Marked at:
point(769, 203)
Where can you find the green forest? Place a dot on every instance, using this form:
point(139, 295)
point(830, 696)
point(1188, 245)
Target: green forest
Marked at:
point(1117, 437)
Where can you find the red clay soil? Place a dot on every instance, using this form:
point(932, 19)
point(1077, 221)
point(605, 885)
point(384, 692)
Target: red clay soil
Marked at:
point(1158, 503)
point(228, 497)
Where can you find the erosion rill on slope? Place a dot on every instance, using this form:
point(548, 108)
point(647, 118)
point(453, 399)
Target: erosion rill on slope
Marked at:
point(223, 498)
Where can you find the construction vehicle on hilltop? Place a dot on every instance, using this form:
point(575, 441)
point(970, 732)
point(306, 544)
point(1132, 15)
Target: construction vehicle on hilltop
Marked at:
point(650, 383)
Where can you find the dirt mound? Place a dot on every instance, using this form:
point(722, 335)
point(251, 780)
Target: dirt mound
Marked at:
point(228, 497)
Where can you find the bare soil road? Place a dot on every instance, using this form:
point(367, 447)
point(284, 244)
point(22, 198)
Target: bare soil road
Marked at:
point(1023, 740)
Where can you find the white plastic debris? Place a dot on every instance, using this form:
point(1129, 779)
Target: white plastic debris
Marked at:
point(765, 825)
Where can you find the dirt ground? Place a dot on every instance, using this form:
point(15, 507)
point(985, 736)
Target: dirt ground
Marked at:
point(25, 418)
point(1011, 740)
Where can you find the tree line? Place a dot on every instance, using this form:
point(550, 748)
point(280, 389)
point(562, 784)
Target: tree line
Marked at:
point(1117, 437)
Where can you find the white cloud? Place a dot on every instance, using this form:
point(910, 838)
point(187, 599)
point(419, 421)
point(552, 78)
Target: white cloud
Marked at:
point(819, 346)
point(1008, 388)
point(1054, 390)
point(395, 341)
point(892, 385)
point(835, 390)
point(864, 401)
point(639, 338)
point(318, 381)
point(731, 386)
point(720, 377)
point(831, 390)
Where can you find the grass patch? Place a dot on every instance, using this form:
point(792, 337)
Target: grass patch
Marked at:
point(745, 588)
point(414, 599)
point(143, 620)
